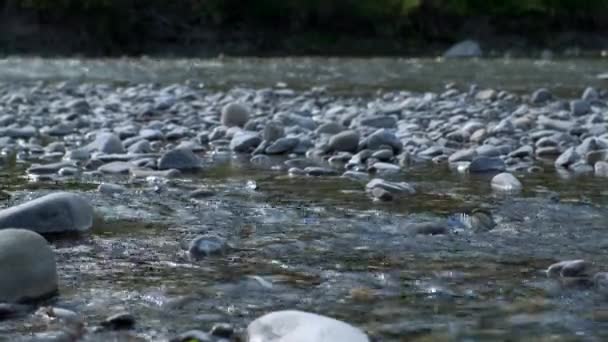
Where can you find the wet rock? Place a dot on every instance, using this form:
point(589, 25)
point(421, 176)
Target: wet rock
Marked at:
point(245, 141)
point(384, 137)
point(111, 189)
point(142, 173)
point(234, 114)
point(206, 245)
point(579, 107)
point(319, 171)
point(347, 141)
point(464, 49)
point(541, 96)
point(193, 336)
point(330, 128)
point(47, 169)
point(486, 95)
point(355, 175)
point(141, 146)
point(282, 145)
point(506, 182)
point(568, 268)
point(486, 164)
point(522, 152)
point(106, 143)
point(27, 266)
point(116, 168)
point(462, 155)
point(590, 94)
point(273, 131)
point(222, 330)
point(11, 310)
point(179, 159)
point(429, 228)
point(479, 220)
point(119, 321)
point(383, 155)
point(601, 169)
point(567, 158)
point(399, 188)
point(55, 213)
point(201, 193)
point(302, 327)
point(18, 132)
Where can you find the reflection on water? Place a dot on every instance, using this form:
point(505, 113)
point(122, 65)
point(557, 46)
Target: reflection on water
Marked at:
point(338, 74)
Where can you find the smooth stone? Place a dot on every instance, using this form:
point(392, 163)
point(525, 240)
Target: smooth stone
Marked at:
point(106, 143)
point(379, 121)
point(55, 147)
point(384, 168)
point(382, 194)
point(580, 167)
point(330, 128)
point(300, 163)
point(78, 154)
point(18, 132)
point(142, 173)
point(462, 155)
point(522, 152)
point(590, 94)
point(234, 114)
point(384, 137)
point(119, 321)
point(282, 145)
point(38, 169)
point(392, 187)
point(547, 152)
point(593, 157)
point(294, 171)
point(110, 189)
point(506, 182)
point(347, 141)
point(488, 151)
point(356, 175)
point(567, 158)
point(179, 159)
point(116, 168)
point(579, 107)
point(299, 326)
point(222, 330)
point(55, 213)
point(68, 171)
point(245, 141)
point(601, 169)
point(541, 96)
point(206, 245)
point(464, 49)
point(27, 266)
point(568, 268)
point(201, 193)
point(558, 125)
point(383, 155)
point(273, 131)
point(320, 171)
point(486, 164)
point(141, 146)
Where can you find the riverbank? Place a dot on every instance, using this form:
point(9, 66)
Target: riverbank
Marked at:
point(182, 29)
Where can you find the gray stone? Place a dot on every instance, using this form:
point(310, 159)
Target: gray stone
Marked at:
point(506, 182)
point(18, 132)
point(119, 321)
point(106, 143)
point(111, 189)
point(180, 159)
point(601, 169)
point(429, 228)
point(330, 128)
point(522, 152)
point(141, 173)
point(486, 164)
point(116, 168)
point(80, 154)
point(590, 94)
point(379, 121)
point(347, 141)
point(568, 268)
point(283, 326)
point(383, 155)
point(234, 114)
point(55, 213)
point(37, 169)
point(282, 145)
point(559, 125)
point(193, 336)
point(392, 187)
point(320, 171)
point(384, 137)
point(273, 131)
point(462, 155)
point(579, 107)
point(27, 266)
point(464, 49)
point(206, 245)
point(245, 141)
point(541, 96)
point(567, 158)
point(141, 146)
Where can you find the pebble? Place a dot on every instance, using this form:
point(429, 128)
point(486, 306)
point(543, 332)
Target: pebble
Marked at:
point(234, 114)
point(119, 321)
point(179, 159)
point(27, 266)
point(347, 141)
point(111, 189)
point(245, 141)
point(206, 245)
point(487, 164)
point(506, 182)
point(568, 268)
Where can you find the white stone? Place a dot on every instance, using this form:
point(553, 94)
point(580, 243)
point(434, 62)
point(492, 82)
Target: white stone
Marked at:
point(506, 182)
point(298, 326)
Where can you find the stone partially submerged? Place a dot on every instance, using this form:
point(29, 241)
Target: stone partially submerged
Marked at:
point(27, 266)
point(60, 212)
point(292, 326)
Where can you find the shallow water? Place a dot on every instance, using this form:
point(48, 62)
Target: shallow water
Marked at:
point(320, 244)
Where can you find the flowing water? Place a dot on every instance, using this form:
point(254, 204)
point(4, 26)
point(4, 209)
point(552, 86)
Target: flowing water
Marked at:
point(320, 244)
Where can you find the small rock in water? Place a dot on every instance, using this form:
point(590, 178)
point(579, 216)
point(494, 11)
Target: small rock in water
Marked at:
point(222, 330)
point(487, 164)
point(106, 143)
point(479, 220)
point(245, 141)
point(568, 268)
point(601, 169)
point(319, 171)
point(111, 189)
point(27, 266)
point(193, 336)
point(541, 96)
point(119, 321)
point(234, 114)
point(347, 141)
point(301, 326)
point(206, 245)
point(55, 213)
point(386, 191)
point(464, 49)
point(273, 131)
point(429, 228)
point(506, 182)
point(282, 145)
point(201, 193)
point(179, 159)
